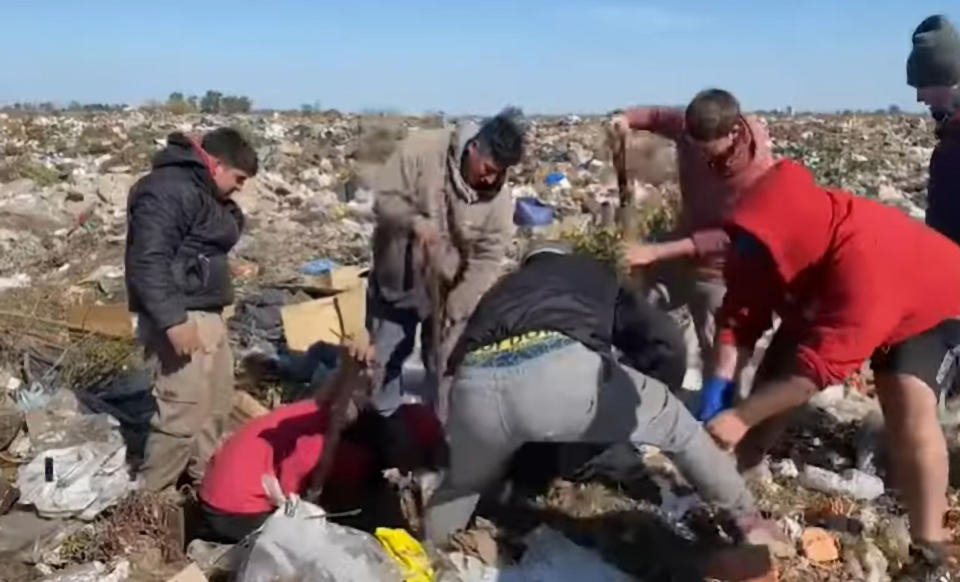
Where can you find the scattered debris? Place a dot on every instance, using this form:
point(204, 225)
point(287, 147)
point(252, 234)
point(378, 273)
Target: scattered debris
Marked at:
point(64, 329)
point(191, 573)
point(479, 542)
point(92, 572)
point(819, 545)
point(745, 564)
point(865, 562)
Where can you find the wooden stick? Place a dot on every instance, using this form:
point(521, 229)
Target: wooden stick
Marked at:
point(337, 395)
point(434, 363)
point(628, 214)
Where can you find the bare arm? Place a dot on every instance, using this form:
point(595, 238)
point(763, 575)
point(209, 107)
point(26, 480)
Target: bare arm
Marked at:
point(776, 398)
point(727, 361)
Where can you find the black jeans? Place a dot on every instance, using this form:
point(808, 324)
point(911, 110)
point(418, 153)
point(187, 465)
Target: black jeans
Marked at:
point(229, 528)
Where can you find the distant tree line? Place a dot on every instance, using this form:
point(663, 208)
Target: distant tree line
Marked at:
point(890, 110)
point(211, 102)
point(74, 106)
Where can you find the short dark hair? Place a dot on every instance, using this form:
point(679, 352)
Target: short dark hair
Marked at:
point(712, 114)
point(501, 137)
point(230, 147)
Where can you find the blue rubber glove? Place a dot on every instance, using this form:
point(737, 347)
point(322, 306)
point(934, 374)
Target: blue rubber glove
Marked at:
point(715, 397)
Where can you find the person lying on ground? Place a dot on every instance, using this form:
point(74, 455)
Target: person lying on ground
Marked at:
point(851, 279)
point(537, 363)
point(933, 69)
point(181, 224)
point(440, 203)
point(720, 153)
point(288, 444)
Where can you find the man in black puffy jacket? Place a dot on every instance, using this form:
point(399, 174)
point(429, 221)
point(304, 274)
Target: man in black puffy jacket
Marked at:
point(181, 223)
point(541, 360)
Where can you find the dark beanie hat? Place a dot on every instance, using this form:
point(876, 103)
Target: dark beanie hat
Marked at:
point(935, 58)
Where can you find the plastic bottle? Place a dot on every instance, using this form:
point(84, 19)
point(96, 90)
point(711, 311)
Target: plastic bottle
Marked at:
point(853, 482)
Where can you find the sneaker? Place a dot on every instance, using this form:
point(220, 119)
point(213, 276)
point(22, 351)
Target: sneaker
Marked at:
point(932, 562)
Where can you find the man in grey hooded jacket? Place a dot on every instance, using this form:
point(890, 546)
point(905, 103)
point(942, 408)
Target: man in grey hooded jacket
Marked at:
point(444, 221)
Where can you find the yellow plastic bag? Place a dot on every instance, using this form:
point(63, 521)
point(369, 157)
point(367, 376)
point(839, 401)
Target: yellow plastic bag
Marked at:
point(407, 553)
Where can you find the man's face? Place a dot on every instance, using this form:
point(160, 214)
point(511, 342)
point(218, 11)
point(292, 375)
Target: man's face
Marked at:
point(717, 147)
point(941, 100)
point(479, 170)
point(228, 179)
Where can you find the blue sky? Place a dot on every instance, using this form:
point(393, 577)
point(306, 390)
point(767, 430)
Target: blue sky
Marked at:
point(545, 55)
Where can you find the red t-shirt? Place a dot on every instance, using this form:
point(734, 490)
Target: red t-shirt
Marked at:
point(286, 443)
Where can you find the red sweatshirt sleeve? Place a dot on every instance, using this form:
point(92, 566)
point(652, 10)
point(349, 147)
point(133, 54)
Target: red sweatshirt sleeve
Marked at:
point(747, 310)
point(664, 121)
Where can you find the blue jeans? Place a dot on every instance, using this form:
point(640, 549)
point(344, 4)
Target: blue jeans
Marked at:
point(560, 391)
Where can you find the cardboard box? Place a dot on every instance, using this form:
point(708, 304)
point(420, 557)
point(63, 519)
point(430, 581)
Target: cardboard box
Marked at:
point(113, 320)
point(339, 279)
point(327, 319)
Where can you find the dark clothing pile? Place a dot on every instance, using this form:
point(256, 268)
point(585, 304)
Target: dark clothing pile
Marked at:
point(179, 232)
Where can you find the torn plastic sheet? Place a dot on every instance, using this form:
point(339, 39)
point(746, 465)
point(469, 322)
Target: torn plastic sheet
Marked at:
point(79, 481)
point(550, 557)
point(92, 572)
point(297, 542)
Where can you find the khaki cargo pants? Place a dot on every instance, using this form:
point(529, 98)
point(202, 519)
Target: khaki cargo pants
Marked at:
point(194, 396)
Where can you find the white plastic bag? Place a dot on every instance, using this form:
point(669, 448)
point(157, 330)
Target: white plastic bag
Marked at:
point(92, 572)
point(297, 542)
point(550, 557)
point(86, 480)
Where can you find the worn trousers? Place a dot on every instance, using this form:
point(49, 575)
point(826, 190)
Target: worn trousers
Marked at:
point(678, 284)
point(194, 395)
point(569, 394)
point(393, 333)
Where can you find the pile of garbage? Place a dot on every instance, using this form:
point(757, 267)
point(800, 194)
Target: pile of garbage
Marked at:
point(71, 418)
point(879, 156)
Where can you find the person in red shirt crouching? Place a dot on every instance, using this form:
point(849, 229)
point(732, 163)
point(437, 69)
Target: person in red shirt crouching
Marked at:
point(851, 279)
point(288, 443)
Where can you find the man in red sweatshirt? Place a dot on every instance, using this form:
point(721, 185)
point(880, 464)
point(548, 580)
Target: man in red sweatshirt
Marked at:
point(288, 444)
point(720, 153)
point(851, 279)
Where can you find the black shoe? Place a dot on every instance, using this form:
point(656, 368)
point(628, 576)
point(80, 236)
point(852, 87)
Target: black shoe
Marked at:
point(931, 563)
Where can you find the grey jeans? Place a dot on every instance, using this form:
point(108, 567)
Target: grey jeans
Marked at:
point(568, 394)
point(393, 333)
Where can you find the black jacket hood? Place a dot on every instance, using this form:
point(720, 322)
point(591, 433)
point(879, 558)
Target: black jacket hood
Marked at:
point(180, 151)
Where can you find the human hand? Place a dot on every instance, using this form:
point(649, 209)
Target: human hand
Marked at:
point(426, 232)
point(639, 255)
point(354, 378)
point(728, 428)
point(619, 126)
point(715, 397)
point(358, 362)
point(185, 338)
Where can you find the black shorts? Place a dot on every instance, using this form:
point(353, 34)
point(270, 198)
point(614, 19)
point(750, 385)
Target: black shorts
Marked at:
point(932, 356)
